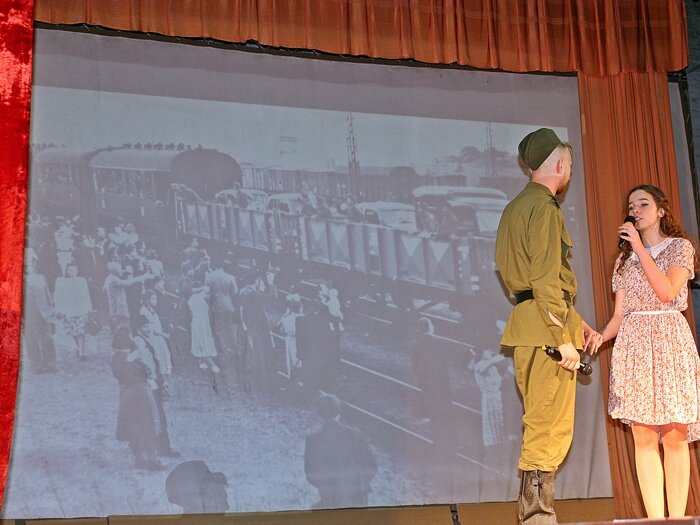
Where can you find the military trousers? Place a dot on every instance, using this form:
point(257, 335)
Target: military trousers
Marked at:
point(549, 394)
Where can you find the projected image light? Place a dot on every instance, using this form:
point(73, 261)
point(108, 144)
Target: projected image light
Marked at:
point(274, 277)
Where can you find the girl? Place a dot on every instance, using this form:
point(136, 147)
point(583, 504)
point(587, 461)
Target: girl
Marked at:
point(655, 370)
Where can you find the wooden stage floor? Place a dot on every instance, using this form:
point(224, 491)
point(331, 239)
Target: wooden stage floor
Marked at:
point(572, 512)
point(667, 521)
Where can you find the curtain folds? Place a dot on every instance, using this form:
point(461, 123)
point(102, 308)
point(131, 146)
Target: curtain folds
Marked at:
point(627, 140)
point(16, 30)
point(621, 51)
point(597, 37)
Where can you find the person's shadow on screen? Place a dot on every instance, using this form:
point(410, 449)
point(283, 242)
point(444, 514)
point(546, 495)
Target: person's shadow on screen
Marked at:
point(198, 490)
point(338, 460)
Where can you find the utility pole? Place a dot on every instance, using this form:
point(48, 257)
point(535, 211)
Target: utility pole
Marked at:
point(353, 162)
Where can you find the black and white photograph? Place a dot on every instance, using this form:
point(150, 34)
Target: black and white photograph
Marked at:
point(274, 277)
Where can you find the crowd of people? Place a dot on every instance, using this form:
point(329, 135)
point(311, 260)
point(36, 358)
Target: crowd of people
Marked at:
point(79, 280)
point(165, 328)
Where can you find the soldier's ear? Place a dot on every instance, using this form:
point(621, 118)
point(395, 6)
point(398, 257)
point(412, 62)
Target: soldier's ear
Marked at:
point(560, 165)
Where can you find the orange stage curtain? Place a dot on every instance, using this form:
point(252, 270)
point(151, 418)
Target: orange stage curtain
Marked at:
point(621, 51)
point(15, 85)
point(628, 140)
point(598, 37)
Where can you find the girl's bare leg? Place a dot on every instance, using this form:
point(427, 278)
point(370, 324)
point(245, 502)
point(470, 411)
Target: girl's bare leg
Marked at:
point(650, 472)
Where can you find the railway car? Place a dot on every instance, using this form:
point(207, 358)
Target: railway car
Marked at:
point(138, 183)
point(61, 184)
point(376, 183)
point(369, 183)
point(279, 180)
point(441, 268)
point(134, 183)
point(372, 183)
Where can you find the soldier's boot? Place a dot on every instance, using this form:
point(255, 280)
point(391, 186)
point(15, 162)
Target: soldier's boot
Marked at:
point(536, 499)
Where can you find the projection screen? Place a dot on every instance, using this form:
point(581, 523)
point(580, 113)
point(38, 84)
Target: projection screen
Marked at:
point(272, 277)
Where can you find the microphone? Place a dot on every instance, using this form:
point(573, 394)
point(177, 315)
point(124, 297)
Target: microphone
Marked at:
point(622, 240)
point(585, 369)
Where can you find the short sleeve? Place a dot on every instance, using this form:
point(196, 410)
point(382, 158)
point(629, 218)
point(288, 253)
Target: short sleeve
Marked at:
point(617, 276)
point(683, 256)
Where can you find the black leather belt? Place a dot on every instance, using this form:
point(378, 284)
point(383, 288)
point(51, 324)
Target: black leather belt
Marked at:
point(526, 295)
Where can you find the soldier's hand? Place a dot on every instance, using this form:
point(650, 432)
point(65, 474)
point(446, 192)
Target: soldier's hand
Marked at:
point(570, 357)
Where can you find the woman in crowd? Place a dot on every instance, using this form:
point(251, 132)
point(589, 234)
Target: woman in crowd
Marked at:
point(489, 378)
point(655, 369)
point(287, 325)
point(202, 346)
point(137, 416)
point(73, 305)
point(159, 339)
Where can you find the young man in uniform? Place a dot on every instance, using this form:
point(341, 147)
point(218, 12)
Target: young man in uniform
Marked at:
point(532, 256)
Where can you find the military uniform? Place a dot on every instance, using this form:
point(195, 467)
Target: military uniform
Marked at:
point(532, 254)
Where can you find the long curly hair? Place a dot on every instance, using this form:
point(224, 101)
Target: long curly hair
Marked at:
point(668, 224)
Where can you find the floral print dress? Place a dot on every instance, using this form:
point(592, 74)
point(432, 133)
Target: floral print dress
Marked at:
point(655, 369)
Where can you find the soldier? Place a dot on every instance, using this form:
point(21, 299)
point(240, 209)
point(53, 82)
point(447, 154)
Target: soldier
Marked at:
point(532, 255)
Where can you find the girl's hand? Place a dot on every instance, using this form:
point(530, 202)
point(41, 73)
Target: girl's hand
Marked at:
point(591, 339)
point(594, 343)
point(628, 232)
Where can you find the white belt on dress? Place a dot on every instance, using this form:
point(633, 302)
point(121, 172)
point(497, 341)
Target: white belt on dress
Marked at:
point(654, 312)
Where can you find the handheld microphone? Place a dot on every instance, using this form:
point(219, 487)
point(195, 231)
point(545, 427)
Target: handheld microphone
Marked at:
point(585, 369)
point(622, 240)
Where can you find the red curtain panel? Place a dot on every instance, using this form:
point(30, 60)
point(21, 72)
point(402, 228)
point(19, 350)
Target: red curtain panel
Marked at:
point(16, 30)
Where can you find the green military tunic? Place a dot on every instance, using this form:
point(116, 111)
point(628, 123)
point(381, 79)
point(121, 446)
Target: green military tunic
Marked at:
point(532, 253)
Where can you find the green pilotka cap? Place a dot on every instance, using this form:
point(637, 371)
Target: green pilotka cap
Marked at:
point(537, 146)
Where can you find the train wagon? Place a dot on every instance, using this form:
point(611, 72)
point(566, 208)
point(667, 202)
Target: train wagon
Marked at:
point(137, 184)
point(433, 267)
point(133, 183)
point(370, 183)
point(60, 182)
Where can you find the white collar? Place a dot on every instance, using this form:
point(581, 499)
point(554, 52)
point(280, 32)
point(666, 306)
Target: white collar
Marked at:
point(654, 251)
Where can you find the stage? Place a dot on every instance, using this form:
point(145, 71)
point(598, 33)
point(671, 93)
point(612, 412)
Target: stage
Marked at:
point(573, 512)
point(679, 521)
